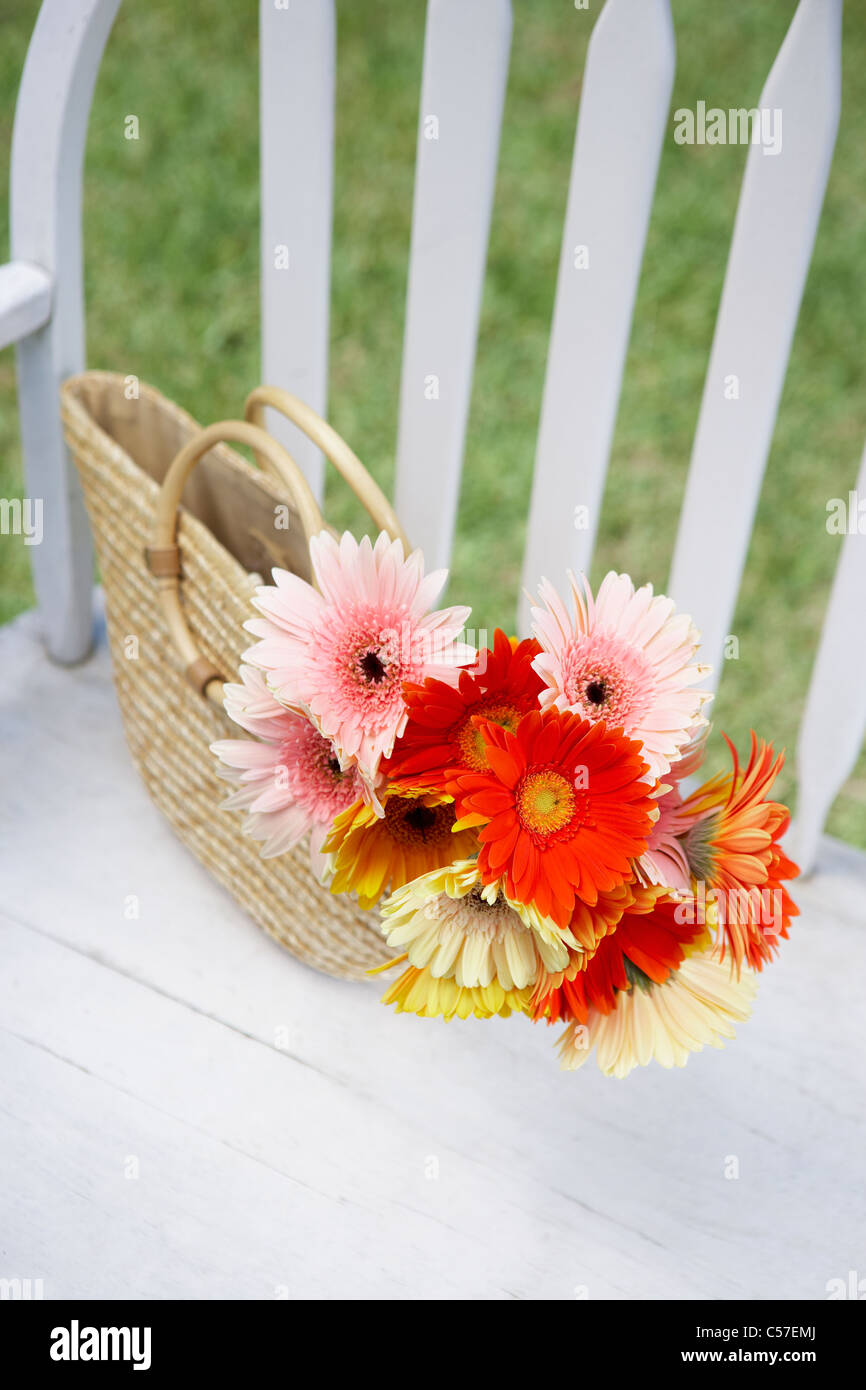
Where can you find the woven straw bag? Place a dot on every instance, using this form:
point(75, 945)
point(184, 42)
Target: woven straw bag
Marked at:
point(178, 580)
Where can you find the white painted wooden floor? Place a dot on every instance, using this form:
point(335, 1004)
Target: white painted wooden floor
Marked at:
point(370, 1156)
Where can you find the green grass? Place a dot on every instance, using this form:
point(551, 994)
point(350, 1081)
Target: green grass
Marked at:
point(172, 292)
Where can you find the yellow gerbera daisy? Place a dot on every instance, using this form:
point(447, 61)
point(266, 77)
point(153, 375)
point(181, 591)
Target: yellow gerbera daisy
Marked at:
point(451, 924)
point(700, 1003)
point(367, 853)
point(419, 992)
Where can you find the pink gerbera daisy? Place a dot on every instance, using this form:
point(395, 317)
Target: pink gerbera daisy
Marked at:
point(665, 861)
point(289, 779)
point(624, 657)
point(342, 653)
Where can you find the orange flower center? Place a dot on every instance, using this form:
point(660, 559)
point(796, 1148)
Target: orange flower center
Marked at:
point(545, 801)
point(469, 739)
point(409, 822)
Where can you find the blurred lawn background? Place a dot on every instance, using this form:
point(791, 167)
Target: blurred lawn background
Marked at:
point(171, 237)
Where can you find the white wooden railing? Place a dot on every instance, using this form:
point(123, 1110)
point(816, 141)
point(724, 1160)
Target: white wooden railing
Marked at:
point(623, 116)
point(45, 194)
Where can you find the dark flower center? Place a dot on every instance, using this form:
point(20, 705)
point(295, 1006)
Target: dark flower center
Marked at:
point(412, 823)
point(421, 818)
point(373, 668)
point(596, 691)
point(474, 896)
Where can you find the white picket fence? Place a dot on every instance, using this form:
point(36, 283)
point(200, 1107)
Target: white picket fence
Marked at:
point(624, 112)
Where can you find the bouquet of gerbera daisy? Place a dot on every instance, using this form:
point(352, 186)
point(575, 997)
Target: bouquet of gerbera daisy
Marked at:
point(518, 813)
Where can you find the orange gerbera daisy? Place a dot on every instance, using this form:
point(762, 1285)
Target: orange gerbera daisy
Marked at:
point(733, 850)
point(591, 924)
point(649, 943)
point(563, 807)
point(441, 737)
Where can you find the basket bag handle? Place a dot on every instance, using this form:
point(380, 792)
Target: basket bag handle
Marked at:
point(163, 557)
point(344, 459)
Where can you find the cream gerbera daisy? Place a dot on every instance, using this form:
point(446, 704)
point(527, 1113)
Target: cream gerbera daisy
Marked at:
point(342, 652)
point(700, 1003)
point(623, 657)
point(450, 924)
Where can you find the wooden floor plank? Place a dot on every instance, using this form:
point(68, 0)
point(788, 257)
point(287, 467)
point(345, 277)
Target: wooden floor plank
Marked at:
point(295, 1134)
